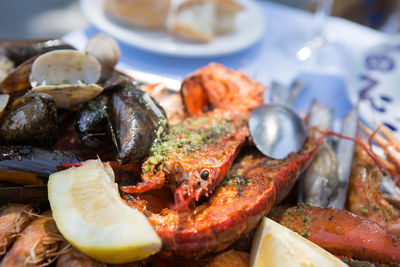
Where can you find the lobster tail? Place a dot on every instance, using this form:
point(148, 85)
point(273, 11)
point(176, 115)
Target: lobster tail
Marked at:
point(343, 233)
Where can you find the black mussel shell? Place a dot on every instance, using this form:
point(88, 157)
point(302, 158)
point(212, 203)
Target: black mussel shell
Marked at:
point(92, 122)
point(28, 194)
point(30, 120)
point(115, 80)
point(137, 121)
point(35, 160)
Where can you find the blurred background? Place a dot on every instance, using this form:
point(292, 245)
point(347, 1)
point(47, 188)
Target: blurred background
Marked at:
point(55, 18)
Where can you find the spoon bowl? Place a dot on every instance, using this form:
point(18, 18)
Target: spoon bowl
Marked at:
point(277, 130)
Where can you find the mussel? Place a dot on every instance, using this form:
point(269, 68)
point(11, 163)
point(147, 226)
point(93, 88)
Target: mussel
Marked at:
point(24, 171)
point(28, 194)
point(115, 79)
point(137, 121)
point(26, 164)
point(92, 122)
point(30, 120)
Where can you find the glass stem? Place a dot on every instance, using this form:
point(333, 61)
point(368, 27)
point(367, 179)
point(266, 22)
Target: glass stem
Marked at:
point(323, 10)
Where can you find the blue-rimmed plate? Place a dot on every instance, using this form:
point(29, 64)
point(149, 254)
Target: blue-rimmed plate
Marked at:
point(376, 87)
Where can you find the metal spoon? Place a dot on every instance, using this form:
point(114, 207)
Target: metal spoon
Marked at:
point(276, 130)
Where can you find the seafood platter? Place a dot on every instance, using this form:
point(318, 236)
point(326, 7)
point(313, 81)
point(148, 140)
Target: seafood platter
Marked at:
point(97, 169)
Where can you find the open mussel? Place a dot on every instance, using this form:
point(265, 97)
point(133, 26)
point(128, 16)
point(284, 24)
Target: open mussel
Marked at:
point(24, 171)
point(30, 120)
point(69, 76)
point(137, 121)
point(26, 164)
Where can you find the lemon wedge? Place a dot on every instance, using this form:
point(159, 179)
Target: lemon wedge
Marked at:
point(90, 214)
point(276, 245)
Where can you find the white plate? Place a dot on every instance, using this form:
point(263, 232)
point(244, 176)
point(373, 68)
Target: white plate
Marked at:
point(250, 28)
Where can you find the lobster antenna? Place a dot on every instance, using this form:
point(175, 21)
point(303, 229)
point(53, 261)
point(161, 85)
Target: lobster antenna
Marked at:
point(327, 132)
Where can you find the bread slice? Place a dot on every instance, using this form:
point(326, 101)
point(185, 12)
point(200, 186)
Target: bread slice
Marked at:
point(201, 20)
point(194, 20)
point(226, 14)
point(150, 14)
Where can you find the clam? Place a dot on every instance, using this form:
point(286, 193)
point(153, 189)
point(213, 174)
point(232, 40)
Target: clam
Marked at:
point(106, 50)
point(69, 76)
point(16, 83)
point(6, 65)
point(18, 51)
point(4, 98)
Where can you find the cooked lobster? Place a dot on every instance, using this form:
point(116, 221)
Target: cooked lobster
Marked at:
point(252, 186)
point(197, 153)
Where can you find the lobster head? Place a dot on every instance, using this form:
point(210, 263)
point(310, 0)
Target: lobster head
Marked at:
point(189, 184)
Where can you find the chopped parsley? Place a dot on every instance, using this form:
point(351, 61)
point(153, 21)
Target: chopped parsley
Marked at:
point(364, 211)
point(188, 137)
point(236, 181)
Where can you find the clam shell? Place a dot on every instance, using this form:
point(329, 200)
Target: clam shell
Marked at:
point(67, 75)
point(70, 95)
point(65, 67)
point(16, 83)
point(4, 98)
point(106, 50)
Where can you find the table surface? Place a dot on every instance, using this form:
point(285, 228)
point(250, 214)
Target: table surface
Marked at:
point(263, 61)
point(267, 60)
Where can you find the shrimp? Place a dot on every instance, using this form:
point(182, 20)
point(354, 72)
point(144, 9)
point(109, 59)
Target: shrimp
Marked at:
point(364, 196)
point(39, 244)
point(231, 258)
point(13, 220)
point(75, 258)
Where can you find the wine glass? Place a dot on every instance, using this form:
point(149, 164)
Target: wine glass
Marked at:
point(306, 43)
point(313, 49)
